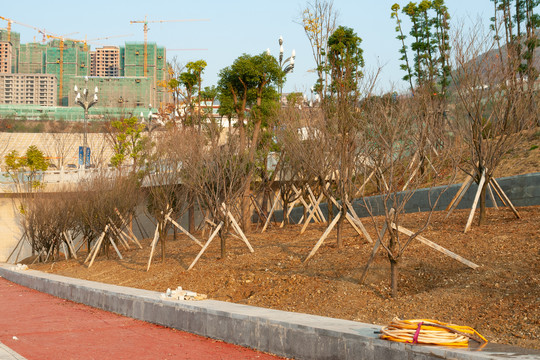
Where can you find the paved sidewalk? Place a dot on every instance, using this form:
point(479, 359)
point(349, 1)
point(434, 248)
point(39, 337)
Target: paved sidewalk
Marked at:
point(40, 326)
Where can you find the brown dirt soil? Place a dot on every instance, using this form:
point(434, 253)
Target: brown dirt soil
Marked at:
point(500, 299)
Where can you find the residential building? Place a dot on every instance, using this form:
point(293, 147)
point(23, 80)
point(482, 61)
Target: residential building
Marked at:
point(5, 57)
point(28, 89)
point(105, 61)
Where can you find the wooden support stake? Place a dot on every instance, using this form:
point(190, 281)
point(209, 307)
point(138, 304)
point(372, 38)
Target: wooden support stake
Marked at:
point(123, 237)
point(361, 188)
point(237, 227)
point(214, 233)
point(257, 208)
point(475, 202)
point(303, 201)
point(115, 247)
point(460, 197)
point(38, 256)
point(499, 188)
point(499, 195)
point(118, 233)
point(129, 228)
point(358, 222)
point(70, 245)
point(46, 258)
point(436, 247)
point(271, 211)
point(15, 248)
point(184, 230)
point(70, 248)
point(324, 235)
point(291, 205)
point(464, 186)
point(66, 250)
point(492, 197)
point(153, 246)
point(320, 214)
point(311, 214)
point(98, 245)
point(412, 176)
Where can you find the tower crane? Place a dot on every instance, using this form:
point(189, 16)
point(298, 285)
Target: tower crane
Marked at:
point(187, 49)
point(145, 23)
point(103, 38)
point(11, 21)
point(61, 61)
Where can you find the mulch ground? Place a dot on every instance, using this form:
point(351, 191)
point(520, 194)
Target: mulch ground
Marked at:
point(500, 299)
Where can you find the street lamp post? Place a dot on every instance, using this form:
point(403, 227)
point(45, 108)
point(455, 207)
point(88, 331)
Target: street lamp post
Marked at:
point(286, 65)
point(149, 118)
point(86, 103)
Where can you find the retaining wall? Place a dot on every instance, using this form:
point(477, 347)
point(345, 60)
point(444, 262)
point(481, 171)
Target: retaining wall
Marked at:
point(292, 335)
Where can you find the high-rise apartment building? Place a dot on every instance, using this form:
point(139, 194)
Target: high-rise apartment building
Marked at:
point(105, 61)
point(5, 57)
point(28, 89)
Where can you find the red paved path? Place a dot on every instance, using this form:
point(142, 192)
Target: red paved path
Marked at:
point(48, 327)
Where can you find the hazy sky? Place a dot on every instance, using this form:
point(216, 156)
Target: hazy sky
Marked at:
point(235, 27)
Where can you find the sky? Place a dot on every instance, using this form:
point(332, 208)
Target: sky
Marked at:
point(231, 28)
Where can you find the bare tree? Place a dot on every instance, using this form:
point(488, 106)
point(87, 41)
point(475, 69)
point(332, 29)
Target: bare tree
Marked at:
point(493, 105)
point(99, 201)
point(393, 139)
point(216, 173)
point(167, 196)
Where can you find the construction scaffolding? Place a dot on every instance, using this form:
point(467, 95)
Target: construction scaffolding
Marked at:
point(70, 60)
point(32, 58)
point(114, 91)
point(75, 63)
point(42, 113)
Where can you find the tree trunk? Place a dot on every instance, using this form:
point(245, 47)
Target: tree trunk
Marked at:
point(330, 207)
point(223, 243)
point(245, 208)
point(393, 247)
point(339, 235)
point(191, 216)
point(482, 218)
point(162, 237)
point(285, 211)
point(393, 277)
point(264, 204)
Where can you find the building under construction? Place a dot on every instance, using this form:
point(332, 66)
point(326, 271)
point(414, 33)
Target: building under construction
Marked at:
point(118, 72)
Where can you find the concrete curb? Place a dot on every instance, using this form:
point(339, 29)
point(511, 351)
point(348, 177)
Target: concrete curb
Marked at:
point(8, 354)
point(294, 335)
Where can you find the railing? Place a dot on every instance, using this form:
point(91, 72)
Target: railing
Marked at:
point(8, 183)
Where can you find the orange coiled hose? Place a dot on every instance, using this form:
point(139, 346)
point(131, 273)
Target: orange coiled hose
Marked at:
point(432, 332)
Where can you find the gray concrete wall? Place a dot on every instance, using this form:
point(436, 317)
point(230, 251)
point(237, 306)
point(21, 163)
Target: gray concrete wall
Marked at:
point(523, 190)
point(293, 335)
